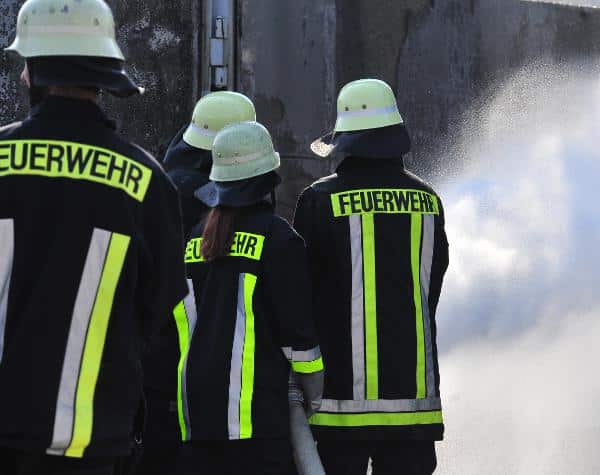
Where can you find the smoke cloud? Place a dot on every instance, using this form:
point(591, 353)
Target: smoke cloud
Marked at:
point(519, 319)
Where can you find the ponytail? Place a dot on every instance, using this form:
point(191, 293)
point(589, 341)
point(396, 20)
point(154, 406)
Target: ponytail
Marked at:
point(219, 231)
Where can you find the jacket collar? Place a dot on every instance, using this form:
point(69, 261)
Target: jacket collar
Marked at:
point(66, 108)
point(370, 166)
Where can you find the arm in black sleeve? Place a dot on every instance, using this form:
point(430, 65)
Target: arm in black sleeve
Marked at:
point(162, 279)
point(304, 214)
point(288, 287)
point(440, 260)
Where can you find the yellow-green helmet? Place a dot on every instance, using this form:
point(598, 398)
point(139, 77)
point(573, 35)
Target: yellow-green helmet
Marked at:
point(366, 104)
point(66, 28)
point(215, 111)
point(241, 151)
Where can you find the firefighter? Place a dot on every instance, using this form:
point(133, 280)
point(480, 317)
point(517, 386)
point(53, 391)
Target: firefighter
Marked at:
point(378, 253)
point(246, 320)
point(188, 162)
point(90, 252)
point(188, 158)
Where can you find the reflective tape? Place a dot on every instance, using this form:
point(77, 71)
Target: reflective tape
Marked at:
point(306, 361)
point(416, 231)
point(308, 367)
point(241, 376)
point(358, 316)
point(384, 201)
point(202, 131)
point(426, 264)
point(74, 415)
point(371, 337)
point(381, 405)
point(245, 245)
point(369, 112)
point(377, 419)
point(305, 355)
point(64, 30)
point(186, 317)
point(7, 250)
point(251, 157)
point(74, 161)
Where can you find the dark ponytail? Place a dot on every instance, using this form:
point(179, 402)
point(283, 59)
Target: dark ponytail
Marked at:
point(219, 231)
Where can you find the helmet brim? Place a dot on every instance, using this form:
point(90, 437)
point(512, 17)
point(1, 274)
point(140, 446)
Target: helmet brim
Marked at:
point(385, 142)
point(238, 194)
point(82, 71)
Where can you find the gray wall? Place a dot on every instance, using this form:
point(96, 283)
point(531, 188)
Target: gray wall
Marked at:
point(443, 57)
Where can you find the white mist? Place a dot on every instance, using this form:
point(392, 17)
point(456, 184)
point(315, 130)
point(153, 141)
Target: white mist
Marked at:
point(519, 319)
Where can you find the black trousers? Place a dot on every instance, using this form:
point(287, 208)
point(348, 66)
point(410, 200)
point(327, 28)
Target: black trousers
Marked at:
point(247, 457)
point(388, 457)
point(15, 462)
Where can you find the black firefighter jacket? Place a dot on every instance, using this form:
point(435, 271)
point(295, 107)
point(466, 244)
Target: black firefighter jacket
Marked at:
point(378, 253)
point(90, 264)
point(245, 322)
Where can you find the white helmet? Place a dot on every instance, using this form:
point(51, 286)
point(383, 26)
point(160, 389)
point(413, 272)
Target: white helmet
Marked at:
point(66, 28)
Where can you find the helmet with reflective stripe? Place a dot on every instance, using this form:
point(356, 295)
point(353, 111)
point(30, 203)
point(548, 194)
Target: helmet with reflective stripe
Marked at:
point(241, 151)
point(366, 104)
point(215, 111)
point(66, 28)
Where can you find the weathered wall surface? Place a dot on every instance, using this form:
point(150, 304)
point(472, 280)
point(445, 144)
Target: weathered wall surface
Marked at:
point(160, 40)
point(441, 56)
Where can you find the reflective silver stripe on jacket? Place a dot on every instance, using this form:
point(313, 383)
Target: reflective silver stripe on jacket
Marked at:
point(82, 312)
point(426, 263)
point(358, 308)
point(305, 356)
point(191, 314)
point(381, 405)
point(7, 250)
point(237, 356)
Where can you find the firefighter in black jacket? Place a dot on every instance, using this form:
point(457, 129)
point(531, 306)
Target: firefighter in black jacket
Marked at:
point(247, 319)
point(188, 163)
point(90, 252)
point(378, 253)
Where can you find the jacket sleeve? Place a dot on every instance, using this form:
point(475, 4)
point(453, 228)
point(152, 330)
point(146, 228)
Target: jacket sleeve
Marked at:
point(440, 260)
point(289, 292)
point(304, 214)
point(162, 279)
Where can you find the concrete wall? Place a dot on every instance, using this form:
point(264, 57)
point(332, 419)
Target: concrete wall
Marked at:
point(442, 56)
point(160, 40)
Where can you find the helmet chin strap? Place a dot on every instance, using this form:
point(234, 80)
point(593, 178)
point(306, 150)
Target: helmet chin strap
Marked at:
point(274, 199)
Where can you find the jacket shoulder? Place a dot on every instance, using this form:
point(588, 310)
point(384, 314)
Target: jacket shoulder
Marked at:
point(325, 184)
point(419, 182)
point(7, 130)
point(281, 230)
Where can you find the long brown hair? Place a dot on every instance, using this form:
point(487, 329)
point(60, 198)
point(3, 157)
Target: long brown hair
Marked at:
point(219, 231)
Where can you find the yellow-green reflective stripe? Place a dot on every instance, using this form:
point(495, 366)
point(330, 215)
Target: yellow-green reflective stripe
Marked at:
point(368, 236)
point(377, 419)
point(248, 360)
point(94, 345)
point(184, 338)
point(76, 161)
point(307, 367)
point(245, 245)
point(416, 230)
point(384, 201)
